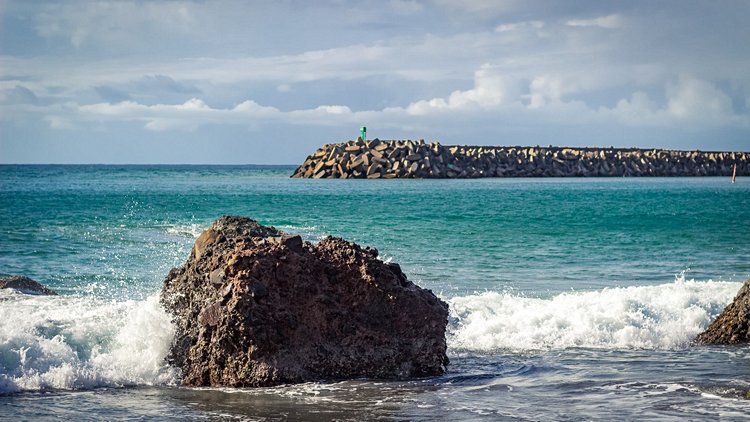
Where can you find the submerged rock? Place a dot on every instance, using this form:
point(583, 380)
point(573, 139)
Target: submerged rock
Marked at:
point(256, 307)
point(25, 285)
point(732, 326)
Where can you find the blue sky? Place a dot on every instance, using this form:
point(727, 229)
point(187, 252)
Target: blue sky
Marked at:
point(268, 82)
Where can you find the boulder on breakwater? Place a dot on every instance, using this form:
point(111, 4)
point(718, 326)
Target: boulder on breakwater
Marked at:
point(25, 285)
point(378, 159)
point(732, 326)
point(256, 307)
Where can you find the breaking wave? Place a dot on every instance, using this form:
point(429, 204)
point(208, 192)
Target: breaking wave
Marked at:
point(59, 342)
point(642, 317)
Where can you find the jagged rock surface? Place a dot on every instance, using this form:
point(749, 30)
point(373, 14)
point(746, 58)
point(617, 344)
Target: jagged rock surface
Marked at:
point(256, 307)
point(732, 326)
point(378, 159)
point(25, 285)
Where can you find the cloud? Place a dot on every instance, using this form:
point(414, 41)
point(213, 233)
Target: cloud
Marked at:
point(608, 22)
point(638, 110)
point(696, 100)
point(517, 26)
point(111, 23)
point(491, 89)
point(334, 109)
point(453, 67)
point(495, 96)
point(544, 89)
point(690, 102)
point(195, 113)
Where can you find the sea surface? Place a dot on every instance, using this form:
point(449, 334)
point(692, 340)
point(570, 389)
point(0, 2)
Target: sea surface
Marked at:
point(571, 299)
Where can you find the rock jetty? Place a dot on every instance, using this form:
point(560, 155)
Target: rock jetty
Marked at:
point(378, 159)
point(25, 285)
point(732, 326)
point(256, 307)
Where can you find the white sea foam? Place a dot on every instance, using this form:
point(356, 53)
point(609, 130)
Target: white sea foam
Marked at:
point(58, 342)
point(187, 230)
point(642, 317)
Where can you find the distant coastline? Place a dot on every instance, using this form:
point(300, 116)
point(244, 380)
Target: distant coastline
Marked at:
point(376, 159)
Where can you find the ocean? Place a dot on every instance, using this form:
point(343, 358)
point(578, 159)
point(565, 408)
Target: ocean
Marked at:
point(571, 299)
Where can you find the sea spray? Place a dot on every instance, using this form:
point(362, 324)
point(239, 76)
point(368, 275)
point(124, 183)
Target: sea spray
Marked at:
point(641, 317)
point(190, 230)
point(80, 343)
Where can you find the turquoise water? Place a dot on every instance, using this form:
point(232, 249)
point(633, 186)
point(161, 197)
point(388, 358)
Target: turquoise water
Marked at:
point(552, 282)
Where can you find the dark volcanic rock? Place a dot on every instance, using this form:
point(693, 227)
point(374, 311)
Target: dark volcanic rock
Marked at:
point(25, 285)
point(732, 326)
point(255, 307)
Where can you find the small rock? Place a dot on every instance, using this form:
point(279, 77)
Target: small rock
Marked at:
point(217, 276)
point(294, 243)
point(25, 285)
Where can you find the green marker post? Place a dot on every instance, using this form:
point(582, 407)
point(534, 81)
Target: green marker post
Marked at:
point(363, 133)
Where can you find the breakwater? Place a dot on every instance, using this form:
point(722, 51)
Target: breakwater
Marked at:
point(374, 159)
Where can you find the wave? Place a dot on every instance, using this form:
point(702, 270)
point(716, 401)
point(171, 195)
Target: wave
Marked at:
point(641, 317)
point(58, 342)
point(67, 342)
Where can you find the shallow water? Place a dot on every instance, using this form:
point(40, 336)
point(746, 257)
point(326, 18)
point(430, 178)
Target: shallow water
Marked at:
point(571, 299)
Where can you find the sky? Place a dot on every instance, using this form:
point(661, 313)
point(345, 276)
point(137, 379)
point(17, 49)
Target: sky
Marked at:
point(268, 82)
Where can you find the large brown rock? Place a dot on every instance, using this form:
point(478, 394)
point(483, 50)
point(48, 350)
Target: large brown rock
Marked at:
point(255, 307)
point(732, 326)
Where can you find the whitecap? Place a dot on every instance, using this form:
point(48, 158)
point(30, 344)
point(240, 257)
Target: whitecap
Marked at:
point(59, 342)
point(638, 317)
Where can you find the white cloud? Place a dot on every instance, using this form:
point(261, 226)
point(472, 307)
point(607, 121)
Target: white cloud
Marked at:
point(551, 99)
point(517, 26)
point(334, 109)
point(690, 102)
point(252, 108)
point(491, 89)
point(195, 113)
point(696, 100)
point(544, 89)
point(608, 22)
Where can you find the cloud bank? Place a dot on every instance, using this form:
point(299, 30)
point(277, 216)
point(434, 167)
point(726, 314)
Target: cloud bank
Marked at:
point(463, 72)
